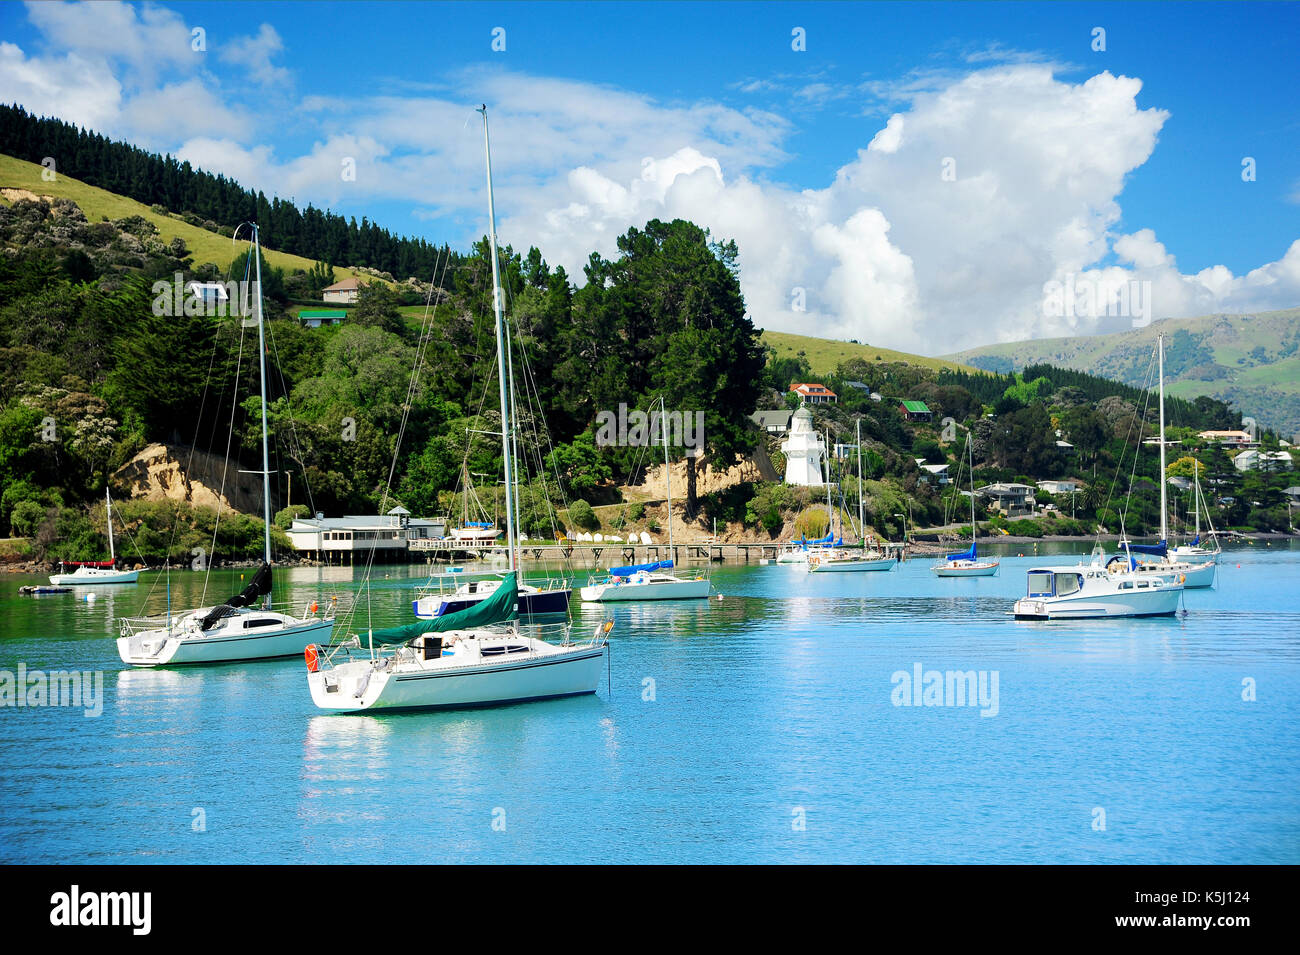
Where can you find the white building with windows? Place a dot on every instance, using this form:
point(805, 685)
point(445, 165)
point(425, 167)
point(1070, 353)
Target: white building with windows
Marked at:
point(804, 451)
point(338, 539)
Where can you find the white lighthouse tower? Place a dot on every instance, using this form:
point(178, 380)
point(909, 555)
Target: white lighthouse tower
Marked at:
point(804, 451)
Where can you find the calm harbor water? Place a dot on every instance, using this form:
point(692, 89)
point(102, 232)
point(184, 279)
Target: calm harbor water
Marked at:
point(756, 728)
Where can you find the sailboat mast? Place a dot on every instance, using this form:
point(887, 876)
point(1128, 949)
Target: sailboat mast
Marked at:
point(1196, 495)
point(261, 355)
point(668, 475)
point(108, 513)
point(857, 440)
point(514, 433)
point(970, 466)
point(1164, 484)
point(503, 366)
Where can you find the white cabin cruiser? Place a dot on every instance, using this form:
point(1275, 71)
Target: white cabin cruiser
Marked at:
point(1091, 590)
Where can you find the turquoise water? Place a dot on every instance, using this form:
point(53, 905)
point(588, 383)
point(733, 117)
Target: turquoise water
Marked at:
point(755, 728)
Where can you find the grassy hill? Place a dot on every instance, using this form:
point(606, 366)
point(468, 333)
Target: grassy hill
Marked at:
point(98, 204)
point(824, 354)
point(1252, 361)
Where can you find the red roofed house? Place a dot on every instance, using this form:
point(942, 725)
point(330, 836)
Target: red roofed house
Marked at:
point(814, 394)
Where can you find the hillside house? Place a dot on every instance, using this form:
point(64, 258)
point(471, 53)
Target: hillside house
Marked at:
point(317, 318)
point(916, 411)
point(1010, 500)
point(814, 394)
point(772, 422)
point(1254, 459)
point(1229, 439)
point(346, 291)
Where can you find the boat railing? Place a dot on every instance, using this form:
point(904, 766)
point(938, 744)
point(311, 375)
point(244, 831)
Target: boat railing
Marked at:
point(131, 626)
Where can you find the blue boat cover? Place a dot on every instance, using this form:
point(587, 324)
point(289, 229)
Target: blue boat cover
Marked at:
point(1197, 542)
point(1158, 550)
point(478, 523)
point(631, 569)
point(964, 555)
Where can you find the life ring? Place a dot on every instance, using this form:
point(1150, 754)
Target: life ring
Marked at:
point(312, 655)
point(314, 607)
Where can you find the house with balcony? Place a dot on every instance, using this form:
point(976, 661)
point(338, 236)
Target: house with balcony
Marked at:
point(814, 394)
point(1010, 500)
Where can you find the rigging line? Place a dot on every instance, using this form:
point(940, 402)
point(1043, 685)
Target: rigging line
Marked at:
point(1138, 422)
point(189, 466)
point(225, 465)
point(426, 334)
point(295, 451)
point(412, 387)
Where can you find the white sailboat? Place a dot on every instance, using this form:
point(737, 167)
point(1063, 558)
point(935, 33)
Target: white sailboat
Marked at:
point(652, 581)
point(1149, 559)
point(88, 574)
point(1195, 553)
point(967, 563)
point(844, 560)
point(237, 630)
point(479, 656)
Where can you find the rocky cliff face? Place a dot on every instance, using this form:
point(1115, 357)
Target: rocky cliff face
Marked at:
point(163, 472)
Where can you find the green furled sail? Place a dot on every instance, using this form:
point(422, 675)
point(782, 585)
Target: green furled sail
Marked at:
point(502, 606)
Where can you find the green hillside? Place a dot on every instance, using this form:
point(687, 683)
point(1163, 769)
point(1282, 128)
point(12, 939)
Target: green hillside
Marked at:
point(824, 354)
point(1252, 361)
point(97, 204)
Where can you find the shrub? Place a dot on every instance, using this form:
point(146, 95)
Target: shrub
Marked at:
point(1025, 528)
point(580, 513)
point(26, 517)
point(812, 523)
point(636, 511)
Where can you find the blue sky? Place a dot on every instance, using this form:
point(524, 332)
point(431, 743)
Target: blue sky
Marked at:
point(1113, 166)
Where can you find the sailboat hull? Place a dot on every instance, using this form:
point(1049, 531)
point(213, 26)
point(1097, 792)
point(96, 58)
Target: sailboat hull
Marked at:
point(1161, 603)
point(538, 603)
point(849, 565)
point(630, 591)
point(88, 576)
point(360, 686)
point(232, 643)
point(965, 569)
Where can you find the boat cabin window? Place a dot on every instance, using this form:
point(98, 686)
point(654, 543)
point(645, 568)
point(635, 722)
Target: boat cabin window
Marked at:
point(508, 648)
point(1040, 583)
point(1126, 585)
point(1067, 584)
point(262, 622)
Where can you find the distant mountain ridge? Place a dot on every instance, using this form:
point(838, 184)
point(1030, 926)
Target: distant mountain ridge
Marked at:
point(1252, 361)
